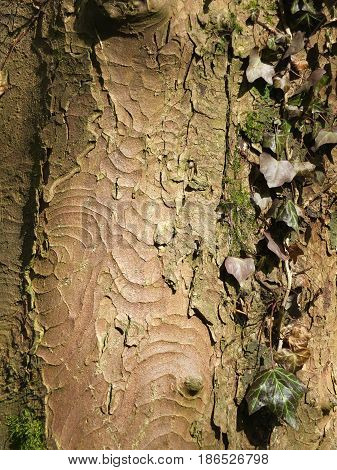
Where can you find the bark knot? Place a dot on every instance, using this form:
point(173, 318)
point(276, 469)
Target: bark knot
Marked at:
point(145, 13)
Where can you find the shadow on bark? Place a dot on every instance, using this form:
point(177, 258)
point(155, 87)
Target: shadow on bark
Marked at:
point(258, 427)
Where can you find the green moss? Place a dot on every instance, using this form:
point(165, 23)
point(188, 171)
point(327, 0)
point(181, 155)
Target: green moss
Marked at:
point(220, 29)
point(268, 9)
point(258, 123)
point(238, 210)
point(242, 223)
point(233, 24)
point(253, 6)
point(26, 431)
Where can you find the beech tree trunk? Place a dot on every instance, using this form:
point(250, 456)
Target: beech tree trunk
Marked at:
point(117, 325)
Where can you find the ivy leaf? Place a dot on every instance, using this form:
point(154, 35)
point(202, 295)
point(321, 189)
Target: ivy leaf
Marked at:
point(275, 248)
point(290, 360)
point(263, 202)
point(287, 213)
point(308, 15)
point(313, 80)
point(315, 77)
point(282, 83)
point(296, 45)
point(277, 142)
point(257, 69)
point(295, 7)
point(276, 172)
point(309, 7)
point(241, 269)
point(326, 137)
point(280, 391)
point(304, 168)
point(298, 338)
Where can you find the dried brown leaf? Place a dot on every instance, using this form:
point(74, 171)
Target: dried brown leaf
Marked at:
point(298, 338)
point(291, 361)
point(299, 65)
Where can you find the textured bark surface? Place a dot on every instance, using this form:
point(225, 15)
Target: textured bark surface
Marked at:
point(129, 223)
point(20, 155)
point(140, 340)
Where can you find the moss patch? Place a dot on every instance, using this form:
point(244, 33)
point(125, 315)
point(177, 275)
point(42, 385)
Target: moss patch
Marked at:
point(238, 210)
point(26, 432)
point(258, 123)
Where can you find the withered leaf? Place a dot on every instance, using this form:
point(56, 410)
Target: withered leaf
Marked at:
point(240, 268)
point(280, 391)
point(298, 338)
point(296, 45)
point(276, 172)
point(299, 65)
point(257, 69)
point(290, 360)
point(326, 137)
point(275, 248)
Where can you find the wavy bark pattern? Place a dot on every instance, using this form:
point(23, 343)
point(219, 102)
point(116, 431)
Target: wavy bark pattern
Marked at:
point(125, 364)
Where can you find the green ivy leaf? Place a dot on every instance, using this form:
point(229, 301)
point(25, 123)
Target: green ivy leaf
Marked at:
point(287, 213)
point(309, 7)
point(280, 391)
point(295, 7)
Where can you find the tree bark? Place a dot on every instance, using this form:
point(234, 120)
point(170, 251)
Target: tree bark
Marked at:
point(20, 109)
point(128, 309)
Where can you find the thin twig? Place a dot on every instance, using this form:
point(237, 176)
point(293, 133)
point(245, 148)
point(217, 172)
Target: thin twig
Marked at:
point(289, 275)
point(267, 27)
point(271, 334)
